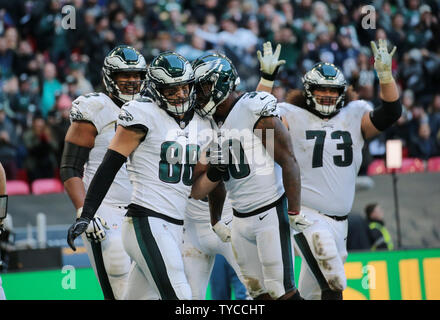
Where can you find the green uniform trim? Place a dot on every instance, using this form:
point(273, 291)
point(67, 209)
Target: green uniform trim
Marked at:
point(153, 257)
point(286, 245)
point(303, 245)
point(104, 282)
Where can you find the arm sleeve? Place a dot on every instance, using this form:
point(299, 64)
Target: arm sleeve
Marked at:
point(102, 181)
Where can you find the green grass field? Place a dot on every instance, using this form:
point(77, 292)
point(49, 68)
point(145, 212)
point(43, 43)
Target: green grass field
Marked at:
point(396, 275)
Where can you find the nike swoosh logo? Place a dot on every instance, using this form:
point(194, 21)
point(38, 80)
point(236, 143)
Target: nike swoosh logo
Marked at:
point(228, 222)
point(261, 218)
point(263, 97)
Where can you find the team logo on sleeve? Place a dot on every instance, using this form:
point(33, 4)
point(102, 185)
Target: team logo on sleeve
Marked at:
point(126, 116)
point(269, 109)
point(75, 114)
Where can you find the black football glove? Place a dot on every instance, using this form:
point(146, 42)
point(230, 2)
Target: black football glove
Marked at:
point(217, 163)
point(76, 230)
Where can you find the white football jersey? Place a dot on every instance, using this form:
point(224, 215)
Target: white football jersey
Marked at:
point(198, 210)
point(329, 153)
point(161, 167)
point(100, 110)
point(253, 180)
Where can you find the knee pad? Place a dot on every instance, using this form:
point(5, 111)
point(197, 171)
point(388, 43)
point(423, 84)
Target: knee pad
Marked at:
point(117, 261)
point(331, 265)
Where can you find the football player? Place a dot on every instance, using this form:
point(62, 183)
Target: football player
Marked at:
point(328, 136)
point(205, 236)
point(159, 133)
point(93, 124)
point(251, 137)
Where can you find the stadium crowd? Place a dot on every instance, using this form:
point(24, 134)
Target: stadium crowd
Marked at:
point(45, 66)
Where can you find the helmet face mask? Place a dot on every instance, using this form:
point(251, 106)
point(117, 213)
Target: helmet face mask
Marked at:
point(171, 83)
point(216, 78)
point(325, 103)
point(123, 62)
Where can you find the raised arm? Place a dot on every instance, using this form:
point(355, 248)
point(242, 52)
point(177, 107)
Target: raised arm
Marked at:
point(390, 111)
point(269, 66)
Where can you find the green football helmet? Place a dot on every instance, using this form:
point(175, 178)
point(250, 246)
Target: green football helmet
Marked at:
point(170, 70)
point(124, 59)
point(324, 75)
point(216, 77)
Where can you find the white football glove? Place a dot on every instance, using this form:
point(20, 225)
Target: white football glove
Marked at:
point(299, 222)
point(222, 231)
point(383, 61)
point(269, 63)
point(96, 228)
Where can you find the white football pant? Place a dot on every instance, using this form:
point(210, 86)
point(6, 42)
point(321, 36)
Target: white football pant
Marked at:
point(158, 272)
point(108, 258)
point(263, 248)
point(323, 249)
point(200, 245)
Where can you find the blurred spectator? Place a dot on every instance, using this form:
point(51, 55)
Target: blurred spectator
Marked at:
point(72, 87)
point(58, 122)
point(423, 145)
point(194, 50)
point(42, 150)
point(358, 233)
point(145, 19)
point(380, 237)
point(8, 144)
point(83, 85)
point(397, 34)
point(7, 57)
point(346, 55)
point(24, 57)
point(434, 117)
point(238, 40)
point(51, 35)
point(51, 86)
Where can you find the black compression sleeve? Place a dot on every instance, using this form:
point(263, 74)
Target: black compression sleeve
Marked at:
point(102, 181)
point(73, 160)
point(388, 113)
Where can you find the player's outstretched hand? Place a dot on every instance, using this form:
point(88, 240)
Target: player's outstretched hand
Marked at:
point(75, 230)
point(96, 229)
point(269, 63)
point(298, 221)
point(383, 61)
point(222, 231)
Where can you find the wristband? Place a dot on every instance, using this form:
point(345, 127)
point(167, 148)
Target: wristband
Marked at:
point(266, 83)
point(293, 213)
